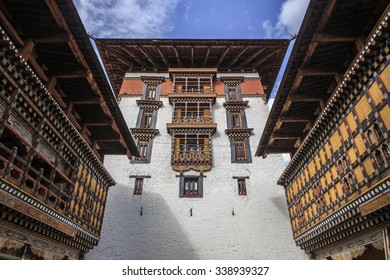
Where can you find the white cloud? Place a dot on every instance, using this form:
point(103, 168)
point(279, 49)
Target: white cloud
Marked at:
point(127, 18)
point(289, 19)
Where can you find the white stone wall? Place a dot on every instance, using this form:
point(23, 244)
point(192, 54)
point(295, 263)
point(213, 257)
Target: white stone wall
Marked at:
point(259, 228)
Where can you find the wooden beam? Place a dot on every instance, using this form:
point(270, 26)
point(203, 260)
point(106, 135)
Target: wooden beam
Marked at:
point(5, 22)
point(51, 87)
point(192, 56)
point(106, 137)
point(105, 122)
point(331, 38)
point(133, 56)
point(284, 150)
point(148, 56)
point(287, 135)
point(206, 56)
point(53, 39)
point(162, 56)
point(119, 56)
point(326, 14)
point(238, 55)
point(177, 57)
point(322, 71)
point(360, 43)
point(27, 49)
point(265, 58)
point(320, 27)
point(73, 75)
point(295, 118)
point(250, 58)
point(88, 101)
point(222, 57)
point(305, 97)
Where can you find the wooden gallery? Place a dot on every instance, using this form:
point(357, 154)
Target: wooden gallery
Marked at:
point(332, 114)
point(58, 119)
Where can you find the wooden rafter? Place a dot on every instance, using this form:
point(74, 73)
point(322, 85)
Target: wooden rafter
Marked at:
point(206, 56)
point(192, 56)
point(148, 56)
point(177, 56)
point(295, 118)
point(162, 56)
point(53, 39)
point(28, 49)
point(72, 75)
point(106, 122)
point(222, 57)
point(126, 50)
point(253, 56)
point(88, 101)
point(238, 55)
point(119, 56)
point(331, 38)
point(287, 136)
point(305, 97)
point(323, 21)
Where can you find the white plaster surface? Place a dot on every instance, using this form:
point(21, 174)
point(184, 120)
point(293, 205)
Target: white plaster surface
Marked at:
point(259, 228)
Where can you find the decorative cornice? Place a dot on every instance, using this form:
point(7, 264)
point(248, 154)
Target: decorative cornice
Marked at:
point(232, 81)
point(152, 81)
point(239, 134)
point(144, 134)
point(198, 97)
point(235, 106)
point(205, 128)
point(149, 105)
point(177, 129)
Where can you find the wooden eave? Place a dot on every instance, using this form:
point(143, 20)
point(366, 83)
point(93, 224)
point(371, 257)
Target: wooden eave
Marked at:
point(51, 36)
point(161, 55)
point(352, 82)
point(332, 33)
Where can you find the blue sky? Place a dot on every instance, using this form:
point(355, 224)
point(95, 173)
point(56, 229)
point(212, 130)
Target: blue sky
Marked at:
point(193, 19)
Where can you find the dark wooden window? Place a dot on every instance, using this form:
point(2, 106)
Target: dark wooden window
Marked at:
point(386, 152)
point(143, 150)
point(379, 158)
point(151, 93)
point(232, 93)
point(191, 186)
point(146, 121)
point(240, 149)
point(139, 182)
point(241, 186)
point(236, 120)
point(377, 131)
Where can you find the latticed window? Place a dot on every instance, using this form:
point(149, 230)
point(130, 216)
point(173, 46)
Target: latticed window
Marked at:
point(151, 93)
point(192, 85)
point(146, 121)
point(241, 186)
point(377, 131)
point(191, 186)
point(191, 150)
point(192, 113)
point(138, 186)
point(143, 150)
point(232, 93)
point(240, 150)
point(386, 152)
point(236, 120)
